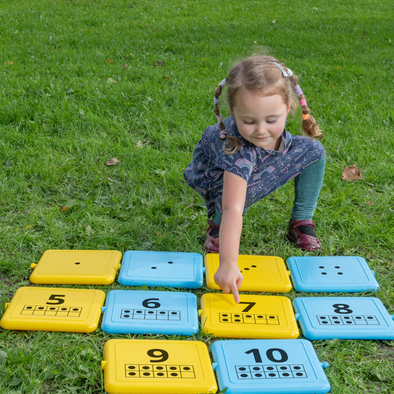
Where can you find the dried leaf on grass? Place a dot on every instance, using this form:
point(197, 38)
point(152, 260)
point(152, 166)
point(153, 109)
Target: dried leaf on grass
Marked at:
point(351, 173)
point(159, 63)
point(69, 204)
point(112, 162)
point(369, 202)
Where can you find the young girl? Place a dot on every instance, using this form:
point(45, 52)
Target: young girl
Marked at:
point(248, 155)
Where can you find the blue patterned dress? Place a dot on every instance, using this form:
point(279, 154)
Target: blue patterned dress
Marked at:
point(263, 170)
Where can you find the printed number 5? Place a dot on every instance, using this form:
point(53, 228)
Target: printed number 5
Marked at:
point(56, 297)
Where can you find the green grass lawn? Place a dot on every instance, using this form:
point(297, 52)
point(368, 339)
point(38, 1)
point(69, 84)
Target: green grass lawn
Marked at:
point(83, 81)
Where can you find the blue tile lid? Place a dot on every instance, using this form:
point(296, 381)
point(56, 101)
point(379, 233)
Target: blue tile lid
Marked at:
point(173, 269)
point(331, 274)
point(269, 366)
point(153, 312)
point(343, 318)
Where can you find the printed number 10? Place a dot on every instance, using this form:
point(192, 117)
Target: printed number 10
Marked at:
point(270, 355)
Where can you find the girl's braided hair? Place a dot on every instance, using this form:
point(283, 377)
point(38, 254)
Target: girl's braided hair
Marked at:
point(265, 76)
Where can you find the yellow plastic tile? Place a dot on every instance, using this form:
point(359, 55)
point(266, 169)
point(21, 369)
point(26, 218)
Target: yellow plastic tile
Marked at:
point(261, 273)
point(136, 366)
point(50, 309)
point(83, 267)
point(256, 316)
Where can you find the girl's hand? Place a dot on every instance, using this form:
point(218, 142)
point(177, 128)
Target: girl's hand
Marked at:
point(229, 278)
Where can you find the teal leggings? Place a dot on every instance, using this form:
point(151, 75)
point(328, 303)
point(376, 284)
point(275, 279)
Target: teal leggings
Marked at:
point(307, 187)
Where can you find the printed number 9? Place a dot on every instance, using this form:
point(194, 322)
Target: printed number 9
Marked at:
point(150, 303)
point(163, 356)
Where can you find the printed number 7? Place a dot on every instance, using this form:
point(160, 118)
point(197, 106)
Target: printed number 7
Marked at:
point(249, 307)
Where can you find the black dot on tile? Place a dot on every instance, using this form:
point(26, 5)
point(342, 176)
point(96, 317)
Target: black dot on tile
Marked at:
point(131, 373)
point(285, 374)
point(244, 375)
point(258, 375)
point(174, 374)
point(146, 373)
point(126, 315)
point(242, 369)
point(131, 367)
point(160, 374)
point(299, 374)
point(272, 374)
point(297, 368)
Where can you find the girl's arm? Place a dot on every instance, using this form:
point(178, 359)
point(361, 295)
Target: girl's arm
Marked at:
point(228, 276)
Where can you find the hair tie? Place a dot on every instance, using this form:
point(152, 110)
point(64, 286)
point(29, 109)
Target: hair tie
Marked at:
point(305, 116)
point(219, 118)
point(215, 100)
point(298, 90)
point(223, 82)
point(223, 135)
point(303, 102)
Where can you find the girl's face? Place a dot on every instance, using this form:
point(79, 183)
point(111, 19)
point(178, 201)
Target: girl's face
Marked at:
point(260, 120)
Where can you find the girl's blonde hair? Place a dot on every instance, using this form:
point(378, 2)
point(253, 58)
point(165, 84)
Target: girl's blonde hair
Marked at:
point(262, 75)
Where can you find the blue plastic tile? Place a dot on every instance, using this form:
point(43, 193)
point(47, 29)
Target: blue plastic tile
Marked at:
point(331, 274)
point(269, 366)
point(155, 312)
point(173, 269)
point(344, 318)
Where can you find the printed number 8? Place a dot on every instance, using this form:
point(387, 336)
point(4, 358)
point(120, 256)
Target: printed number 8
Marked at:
point(342, 307)
point(163, 356)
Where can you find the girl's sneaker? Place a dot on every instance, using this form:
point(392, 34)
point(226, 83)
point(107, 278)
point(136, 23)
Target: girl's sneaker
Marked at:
point(302, 234)
point(212, 238)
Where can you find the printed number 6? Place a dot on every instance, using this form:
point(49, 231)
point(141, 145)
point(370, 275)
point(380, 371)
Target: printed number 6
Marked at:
point(59, 300)
point(150, 303)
